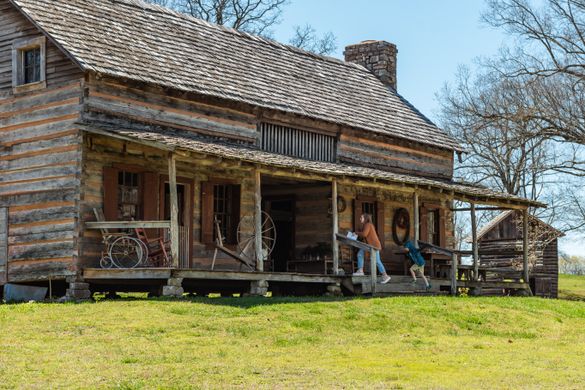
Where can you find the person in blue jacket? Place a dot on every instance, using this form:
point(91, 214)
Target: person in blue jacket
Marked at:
point(418, 263)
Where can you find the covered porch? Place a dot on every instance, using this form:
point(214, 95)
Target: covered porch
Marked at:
point(309, 204)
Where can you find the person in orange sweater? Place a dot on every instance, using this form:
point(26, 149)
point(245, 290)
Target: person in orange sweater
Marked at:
point(369, 233)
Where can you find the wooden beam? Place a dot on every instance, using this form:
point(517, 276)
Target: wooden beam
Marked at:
point(525, 244)
point(482, 209)
point(474, 247)
point(454, 260)
point(416, 219)
point(174, 210)
point(373, 270)
point(128, 225)
point(258, 221)
point(335, 221)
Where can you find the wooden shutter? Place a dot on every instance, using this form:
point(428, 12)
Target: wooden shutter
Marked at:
point(424, 224)
point(357, 212)
point(236, 196)
point(380, 222)
point(3, 243)
point(442, 228)
point(110, 193)
point(207, 212)
point(150, 191)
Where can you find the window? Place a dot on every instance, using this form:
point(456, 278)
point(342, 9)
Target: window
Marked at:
point(28, 64)
point(369, 205)
point(129, 199)
point(432, 224)
point(221, 202)
point(297, 143)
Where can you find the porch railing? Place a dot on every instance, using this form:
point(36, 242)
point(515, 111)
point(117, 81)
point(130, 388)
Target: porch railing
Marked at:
point(183, 245)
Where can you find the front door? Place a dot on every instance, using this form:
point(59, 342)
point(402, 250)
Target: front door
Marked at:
point(282, 212)
point(185, 212)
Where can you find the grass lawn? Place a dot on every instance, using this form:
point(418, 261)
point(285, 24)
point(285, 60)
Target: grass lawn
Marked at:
point(572, 287)
point(402, 342)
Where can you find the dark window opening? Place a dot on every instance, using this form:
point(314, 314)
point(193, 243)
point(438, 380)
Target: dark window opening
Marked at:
point(129, 199)
point(370, 208)
point(31, 61)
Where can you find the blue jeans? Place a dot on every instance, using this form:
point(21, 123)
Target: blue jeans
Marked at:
point(360, 263)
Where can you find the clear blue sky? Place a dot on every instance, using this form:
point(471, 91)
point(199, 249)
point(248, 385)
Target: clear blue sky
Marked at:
point(433, 37)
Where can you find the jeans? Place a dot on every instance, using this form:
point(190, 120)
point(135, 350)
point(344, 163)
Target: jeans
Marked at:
point(360, 263)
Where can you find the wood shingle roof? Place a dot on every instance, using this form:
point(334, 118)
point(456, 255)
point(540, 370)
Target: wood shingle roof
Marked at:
point(138, 41)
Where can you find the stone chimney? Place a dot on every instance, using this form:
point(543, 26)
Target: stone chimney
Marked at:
point(379, 57)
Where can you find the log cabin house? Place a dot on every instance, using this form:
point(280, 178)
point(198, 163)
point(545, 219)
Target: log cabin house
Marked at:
point(170, 123)
point(500, 248)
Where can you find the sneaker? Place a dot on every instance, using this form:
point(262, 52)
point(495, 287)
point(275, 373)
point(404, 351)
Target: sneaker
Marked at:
point(358, 273)
point(428, 287)
point(386, 279)
point(413, 282)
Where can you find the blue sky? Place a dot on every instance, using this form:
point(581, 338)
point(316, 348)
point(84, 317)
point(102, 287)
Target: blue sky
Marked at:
point(434, 37)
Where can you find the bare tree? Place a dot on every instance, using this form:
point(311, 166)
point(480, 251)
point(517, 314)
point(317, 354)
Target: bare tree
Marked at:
point(252, 16)
point(505, 149)
point(549, 51)
point(306, 38)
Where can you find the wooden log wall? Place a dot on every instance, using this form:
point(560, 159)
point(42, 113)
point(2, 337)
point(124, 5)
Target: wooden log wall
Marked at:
point(40, 154)
point(100, 152)
point(13, 26)
point(390, 154)
point(109, 102)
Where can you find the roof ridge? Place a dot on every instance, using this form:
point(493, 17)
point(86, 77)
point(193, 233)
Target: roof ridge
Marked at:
point(269, 41)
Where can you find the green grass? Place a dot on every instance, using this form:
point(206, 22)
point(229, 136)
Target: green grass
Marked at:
point(403, 342)
point(572, 287)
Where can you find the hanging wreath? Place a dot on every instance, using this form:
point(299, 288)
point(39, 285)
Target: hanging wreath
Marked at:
point(401, 226)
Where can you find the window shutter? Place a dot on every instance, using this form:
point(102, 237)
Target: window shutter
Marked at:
point(442, 228)
point(236, 194)
point(357, 212)
point(207, 212)
point(150, 191)
point(380, 222)
point(110, 176)
point(424, 223)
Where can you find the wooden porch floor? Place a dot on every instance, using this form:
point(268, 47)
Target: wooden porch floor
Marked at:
point(288, 282)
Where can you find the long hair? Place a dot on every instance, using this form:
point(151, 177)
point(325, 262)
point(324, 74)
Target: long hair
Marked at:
point(367, 218)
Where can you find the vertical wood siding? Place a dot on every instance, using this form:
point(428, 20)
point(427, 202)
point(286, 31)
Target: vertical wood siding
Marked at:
point(298, 143)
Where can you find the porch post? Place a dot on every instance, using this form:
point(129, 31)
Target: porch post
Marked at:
point(416, 220)
point(335, 220)
point(258, 221)
point(174, 210)
point(373, 270)
point(525, 244)
point(454, 274)
point(474, 248)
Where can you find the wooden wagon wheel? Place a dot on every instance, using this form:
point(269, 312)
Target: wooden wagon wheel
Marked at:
point(246, 236)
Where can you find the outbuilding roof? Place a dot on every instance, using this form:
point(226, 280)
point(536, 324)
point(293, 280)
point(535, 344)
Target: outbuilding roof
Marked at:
point(152, 44)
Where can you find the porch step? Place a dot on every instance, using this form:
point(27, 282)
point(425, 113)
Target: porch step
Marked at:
point(399, 285)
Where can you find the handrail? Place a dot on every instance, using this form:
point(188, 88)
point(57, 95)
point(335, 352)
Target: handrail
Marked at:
point(128, 225)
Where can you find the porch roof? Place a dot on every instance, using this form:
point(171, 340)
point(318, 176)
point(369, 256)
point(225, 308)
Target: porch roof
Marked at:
point(175, 141)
